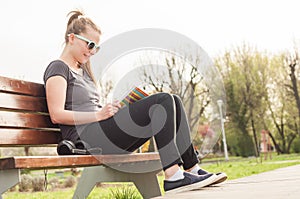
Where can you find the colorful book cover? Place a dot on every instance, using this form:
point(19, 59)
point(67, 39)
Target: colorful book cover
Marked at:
point(133, 96)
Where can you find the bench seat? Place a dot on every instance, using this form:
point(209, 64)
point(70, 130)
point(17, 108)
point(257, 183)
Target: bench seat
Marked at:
point(41, 162)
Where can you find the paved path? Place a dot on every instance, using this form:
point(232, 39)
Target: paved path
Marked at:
point(281, 183)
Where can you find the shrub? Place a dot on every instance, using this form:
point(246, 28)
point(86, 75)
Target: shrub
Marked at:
point(75, 171)
point(25, 183)
point(54, 183)
point(38, 183)
point(13, 189)
point(296, 145)
point(70, 182)
point(25, 171)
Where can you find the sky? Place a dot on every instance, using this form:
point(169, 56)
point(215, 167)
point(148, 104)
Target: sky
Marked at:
point(32, 31)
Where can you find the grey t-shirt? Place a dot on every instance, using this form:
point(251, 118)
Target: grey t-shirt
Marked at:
point(82, 94)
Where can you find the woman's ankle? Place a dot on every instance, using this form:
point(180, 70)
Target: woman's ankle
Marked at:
point(193, 169)
point(169, 172)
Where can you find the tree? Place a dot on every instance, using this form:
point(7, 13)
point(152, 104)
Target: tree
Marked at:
point(176, 75)
point(244, 73)
point(281, 106)
point(292, 61)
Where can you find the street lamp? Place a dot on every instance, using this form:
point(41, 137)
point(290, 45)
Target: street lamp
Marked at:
point(220, 103)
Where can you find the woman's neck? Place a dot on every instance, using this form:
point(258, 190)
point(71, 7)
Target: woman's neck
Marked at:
point(69, 60)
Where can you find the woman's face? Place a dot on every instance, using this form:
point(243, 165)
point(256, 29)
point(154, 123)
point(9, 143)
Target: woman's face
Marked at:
point(82, 53)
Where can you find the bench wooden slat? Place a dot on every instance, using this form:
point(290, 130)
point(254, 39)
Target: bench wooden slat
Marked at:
point(40, 162)
point(23, 137)
point(25, 120)
point(23, 103)
point(21, 87)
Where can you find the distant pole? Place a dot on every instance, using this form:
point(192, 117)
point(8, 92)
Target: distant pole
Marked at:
point(220, 103)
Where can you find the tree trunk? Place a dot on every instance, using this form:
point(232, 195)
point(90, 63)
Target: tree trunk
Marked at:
point(290, 143)
point(277, 147)
point(294, 84)
point(255, 138)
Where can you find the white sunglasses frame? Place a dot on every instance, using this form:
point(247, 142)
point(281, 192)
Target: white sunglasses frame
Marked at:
point(89, 42)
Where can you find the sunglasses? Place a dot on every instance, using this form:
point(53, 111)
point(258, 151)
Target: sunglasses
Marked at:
point(90, 44)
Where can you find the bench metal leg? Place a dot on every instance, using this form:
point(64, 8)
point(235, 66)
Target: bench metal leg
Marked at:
point(86, 183)
point(8, 179)
point(146, 183)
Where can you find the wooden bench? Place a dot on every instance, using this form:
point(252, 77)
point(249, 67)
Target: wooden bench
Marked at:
point(24, 121)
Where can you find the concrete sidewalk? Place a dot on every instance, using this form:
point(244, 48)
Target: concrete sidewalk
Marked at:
point(280, 183)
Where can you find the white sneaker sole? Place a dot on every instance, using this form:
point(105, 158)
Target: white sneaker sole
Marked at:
point(219, 178)
point(193, 186)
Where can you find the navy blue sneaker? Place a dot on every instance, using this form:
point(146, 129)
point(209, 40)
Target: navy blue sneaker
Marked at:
point(220, 177)
point(188, 183)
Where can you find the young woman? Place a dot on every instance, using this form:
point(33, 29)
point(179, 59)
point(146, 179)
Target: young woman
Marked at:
point(73, 103)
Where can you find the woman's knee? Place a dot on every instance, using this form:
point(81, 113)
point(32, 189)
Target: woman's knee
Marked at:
point(177, 99)
point(162, 97)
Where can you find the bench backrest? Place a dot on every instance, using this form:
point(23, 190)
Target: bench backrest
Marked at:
point(24, 117)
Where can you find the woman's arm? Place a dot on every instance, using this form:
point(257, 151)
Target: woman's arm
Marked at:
point(56, 88)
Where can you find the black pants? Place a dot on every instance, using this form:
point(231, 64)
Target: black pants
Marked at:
point(160, 115)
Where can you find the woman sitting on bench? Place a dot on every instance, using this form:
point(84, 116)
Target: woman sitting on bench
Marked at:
point(73, 103)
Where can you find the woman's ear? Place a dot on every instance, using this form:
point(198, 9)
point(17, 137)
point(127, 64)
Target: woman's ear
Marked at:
point(71, 38)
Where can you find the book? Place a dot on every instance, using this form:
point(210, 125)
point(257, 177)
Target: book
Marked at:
point(134, 95)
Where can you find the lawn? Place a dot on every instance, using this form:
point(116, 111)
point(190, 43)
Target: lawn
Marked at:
point(235, 168)
point(238, 168)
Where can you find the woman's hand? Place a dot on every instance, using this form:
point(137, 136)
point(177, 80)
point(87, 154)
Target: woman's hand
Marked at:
point(116, 104)
point(109, 110)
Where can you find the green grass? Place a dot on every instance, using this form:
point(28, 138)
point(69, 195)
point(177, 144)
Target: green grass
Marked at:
point(235, 168)
point(125, 192)
point(97, 193)
point(248, 166)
